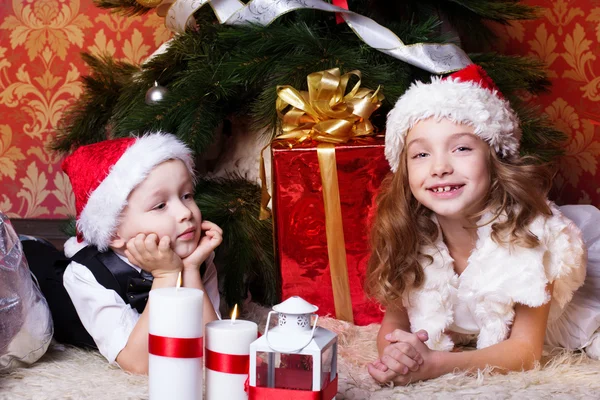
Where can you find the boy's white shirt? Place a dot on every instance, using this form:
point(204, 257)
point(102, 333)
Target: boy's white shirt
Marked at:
point(103, 313)
point(495, 279)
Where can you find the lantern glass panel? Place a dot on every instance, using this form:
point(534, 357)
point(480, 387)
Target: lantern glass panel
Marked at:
point(327, 360)
point(285, 371)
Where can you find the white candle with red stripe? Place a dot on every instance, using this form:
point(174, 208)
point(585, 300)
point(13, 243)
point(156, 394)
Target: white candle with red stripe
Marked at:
point(227, 357)
point(175, 344)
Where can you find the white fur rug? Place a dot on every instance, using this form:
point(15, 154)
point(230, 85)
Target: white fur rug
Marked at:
point(70, 373)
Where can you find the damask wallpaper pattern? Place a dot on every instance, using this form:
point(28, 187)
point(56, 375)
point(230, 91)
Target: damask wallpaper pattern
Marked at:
point(40, 67)
point(567, 38)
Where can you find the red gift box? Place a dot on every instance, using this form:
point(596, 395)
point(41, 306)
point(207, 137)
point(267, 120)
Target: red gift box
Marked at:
point(300, 223)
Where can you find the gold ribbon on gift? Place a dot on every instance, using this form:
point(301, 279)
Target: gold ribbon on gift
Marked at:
point(327, 115)
point(334, 229)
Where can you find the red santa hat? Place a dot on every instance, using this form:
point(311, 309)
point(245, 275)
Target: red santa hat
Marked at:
point(468, 96)
point(104, 174)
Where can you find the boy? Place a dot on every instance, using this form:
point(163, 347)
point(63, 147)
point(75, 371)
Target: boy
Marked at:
point(137, 224)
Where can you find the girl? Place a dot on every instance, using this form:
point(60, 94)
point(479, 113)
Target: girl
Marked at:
point(465, 244)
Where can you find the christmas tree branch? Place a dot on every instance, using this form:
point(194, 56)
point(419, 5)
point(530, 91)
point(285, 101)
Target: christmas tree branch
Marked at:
point(87, 120)
point(124, 7)
point(514, 73)
point(500, 11)
point(245, 259)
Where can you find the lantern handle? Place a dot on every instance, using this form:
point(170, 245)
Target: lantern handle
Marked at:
point(291, 349)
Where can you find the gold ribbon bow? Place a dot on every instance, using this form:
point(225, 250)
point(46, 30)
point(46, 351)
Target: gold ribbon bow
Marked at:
point(324, 113)
point(327, 115)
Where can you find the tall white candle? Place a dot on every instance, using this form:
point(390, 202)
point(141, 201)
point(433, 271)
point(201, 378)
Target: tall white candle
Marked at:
point(175, 313)
point(229, 340)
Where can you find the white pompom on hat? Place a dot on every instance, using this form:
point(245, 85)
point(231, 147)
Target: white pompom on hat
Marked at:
point(103, 175)
point(468, 96)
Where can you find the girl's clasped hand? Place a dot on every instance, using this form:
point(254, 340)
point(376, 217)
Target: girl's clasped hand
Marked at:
point(403, 360)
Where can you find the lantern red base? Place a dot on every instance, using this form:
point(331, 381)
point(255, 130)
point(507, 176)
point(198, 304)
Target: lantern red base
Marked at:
point(265, 393)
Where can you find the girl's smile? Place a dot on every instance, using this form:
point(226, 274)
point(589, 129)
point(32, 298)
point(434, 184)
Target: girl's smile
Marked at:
point(446, 191)
point(447, 166)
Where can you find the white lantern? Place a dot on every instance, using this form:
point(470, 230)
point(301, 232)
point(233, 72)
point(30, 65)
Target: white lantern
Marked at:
point(297, 358)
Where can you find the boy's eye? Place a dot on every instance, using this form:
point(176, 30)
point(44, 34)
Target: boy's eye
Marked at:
point(159, 206)
point(188, 196)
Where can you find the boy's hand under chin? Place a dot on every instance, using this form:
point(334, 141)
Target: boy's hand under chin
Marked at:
point(153, 256)
point(211, 237)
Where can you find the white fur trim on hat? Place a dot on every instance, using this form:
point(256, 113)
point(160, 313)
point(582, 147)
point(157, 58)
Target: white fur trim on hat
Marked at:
point(99, 218)
point(491, 116)
point(72, 246)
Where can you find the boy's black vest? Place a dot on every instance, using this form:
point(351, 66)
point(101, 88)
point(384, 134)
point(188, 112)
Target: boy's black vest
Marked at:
point(48, 265)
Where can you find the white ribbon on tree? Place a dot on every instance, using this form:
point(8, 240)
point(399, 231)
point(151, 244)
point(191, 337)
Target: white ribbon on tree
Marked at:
point(435, 58)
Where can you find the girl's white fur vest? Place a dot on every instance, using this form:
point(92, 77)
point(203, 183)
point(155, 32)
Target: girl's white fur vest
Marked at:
point(497, 277)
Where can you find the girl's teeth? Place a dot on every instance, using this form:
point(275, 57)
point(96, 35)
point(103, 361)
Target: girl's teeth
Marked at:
point(443, 189)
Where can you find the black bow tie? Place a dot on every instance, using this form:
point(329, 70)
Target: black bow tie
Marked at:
point(137, 292)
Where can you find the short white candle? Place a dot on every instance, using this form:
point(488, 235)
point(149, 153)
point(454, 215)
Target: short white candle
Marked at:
point(175, 313)
point(229, 337)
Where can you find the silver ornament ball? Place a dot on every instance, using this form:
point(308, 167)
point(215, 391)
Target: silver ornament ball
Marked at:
point(156, 94)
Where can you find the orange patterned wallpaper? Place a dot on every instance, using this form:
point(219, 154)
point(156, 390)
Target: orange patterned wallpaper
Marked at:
point(40, 67)
point(567, 38)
